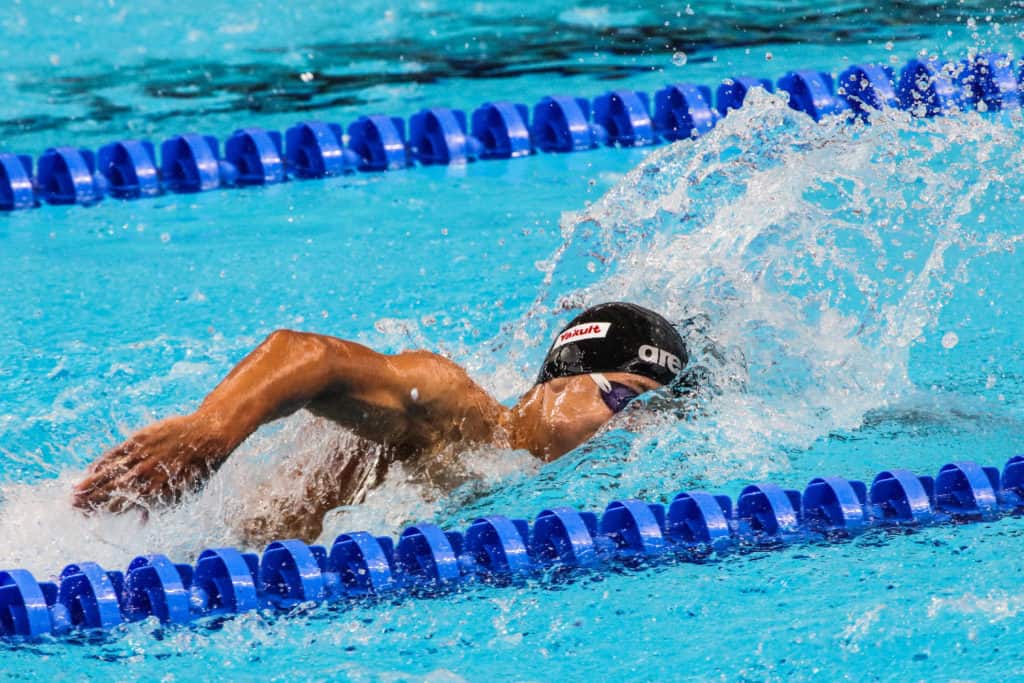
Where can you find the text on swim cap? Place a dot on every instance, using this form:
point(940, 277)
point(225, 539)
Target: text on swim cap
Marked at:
point(584, 331)
point(652, 354)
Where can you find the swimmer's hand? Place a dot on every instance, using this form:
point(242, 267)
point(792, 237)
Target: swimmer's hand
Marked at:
point(155, 466)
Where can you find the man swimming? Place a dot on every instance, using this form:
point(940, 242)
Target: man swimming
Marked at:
point(411, 404)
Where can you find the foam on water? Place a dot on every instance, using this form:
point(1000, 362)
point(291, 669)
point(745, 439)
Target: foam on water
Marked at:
point(803, 262)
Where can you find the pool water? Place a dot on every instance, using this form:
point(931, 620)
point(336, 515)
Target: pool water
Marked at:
point(856, 289)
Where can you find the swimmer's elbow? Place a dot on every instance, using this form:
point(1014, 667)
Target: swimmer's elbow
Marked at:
point(304, 352)
point(292, 340)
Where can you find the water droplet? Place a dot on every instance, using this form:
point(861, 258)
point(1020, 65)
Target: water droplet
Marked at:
point(679, 58)
point(949, 340)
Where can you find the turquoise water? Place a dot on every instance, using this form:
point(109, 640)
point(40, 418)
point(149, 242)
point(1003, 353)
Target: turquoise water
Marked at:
point(861, 287)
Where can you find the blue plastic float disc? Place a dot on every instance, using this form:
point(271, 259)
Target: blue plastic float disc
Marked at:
point(364, 563)
point(683, 111)
point(927, 89)
point(1012, 481)
point(901, 496)
point(564, 535)
point(16, 191)
point(314, 149)
point(697, 518)
point(67, 175)
point(256, 154)
point(625, 116)
point(499, 545)
point(634, 525)
point(562, 124)
point(438, 136)
point(767, 511)
point(379, 143)
point(89, 595)
point(425, 554)
point(23, 608)
point(190, 163)
point(835, 504)
point(502, 129)
point(733, 92)
point(966, 488)
point(868, 86)
point(812, 92)
point(130, 168)
point(990, 79)
point(290, 570)
point(227, 581)
point(154, 586)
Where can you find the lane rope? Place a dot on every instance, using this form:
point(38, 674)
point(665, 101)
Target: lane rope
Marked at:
point(191, 162)
point(425, 559)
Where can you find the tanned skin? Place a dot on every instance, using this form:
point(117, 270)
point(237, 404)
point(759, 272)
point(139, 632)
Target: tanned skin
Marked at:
point(411, 404)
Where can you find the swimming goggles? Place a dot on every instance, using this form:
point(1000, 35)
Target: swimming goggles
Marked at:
point(615, 395)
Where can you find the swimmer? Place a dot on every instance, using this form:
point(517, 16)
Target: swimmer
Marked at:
point(410, 404)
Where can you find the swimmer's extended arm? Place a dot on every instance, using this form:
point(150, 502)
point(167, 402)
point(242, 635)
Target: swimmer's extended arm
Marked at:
point(409, 400)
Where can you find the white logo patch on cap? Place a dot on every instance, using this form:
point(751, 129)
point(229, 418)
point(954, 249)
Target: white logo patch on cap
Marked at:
point(652, 354)
point(584, 331)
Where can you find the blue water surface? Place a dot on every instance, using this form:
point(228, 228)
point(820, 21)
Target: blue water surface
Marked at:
point(857, 289)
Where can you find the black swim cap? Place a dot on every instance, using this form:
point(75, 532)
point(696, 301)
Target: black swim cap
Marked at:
point(616, 337)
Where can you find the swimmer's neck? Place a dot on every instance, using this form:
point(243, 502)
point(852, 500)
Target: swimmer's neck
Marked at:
point(519, 424)
point(553, 418)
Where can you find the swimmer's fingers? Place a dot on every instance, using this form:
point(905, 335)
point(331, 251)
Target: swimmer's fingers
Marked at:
point(113, 463)
point(160, 480)
point(134, 489)
point(93, 486)
point(121, 502)
point(96, 487)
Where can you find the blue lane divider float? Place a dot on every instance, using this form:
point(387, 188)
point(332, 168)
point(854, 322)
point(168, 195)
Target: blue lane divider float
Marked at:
point(16, 186)
point(503, 130)
point(684, 111)
point(257, 156)
point(694, 526)
point(130, 169)
point(379, 143)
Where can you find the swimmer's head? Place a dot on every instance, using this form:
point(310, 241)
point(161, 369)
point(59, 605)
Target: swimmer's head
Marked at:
point(616, 337)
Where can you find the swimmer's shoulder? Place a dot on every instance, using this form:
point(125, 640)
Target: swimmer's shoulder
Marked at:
point(443, 390)
point(435, 377)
